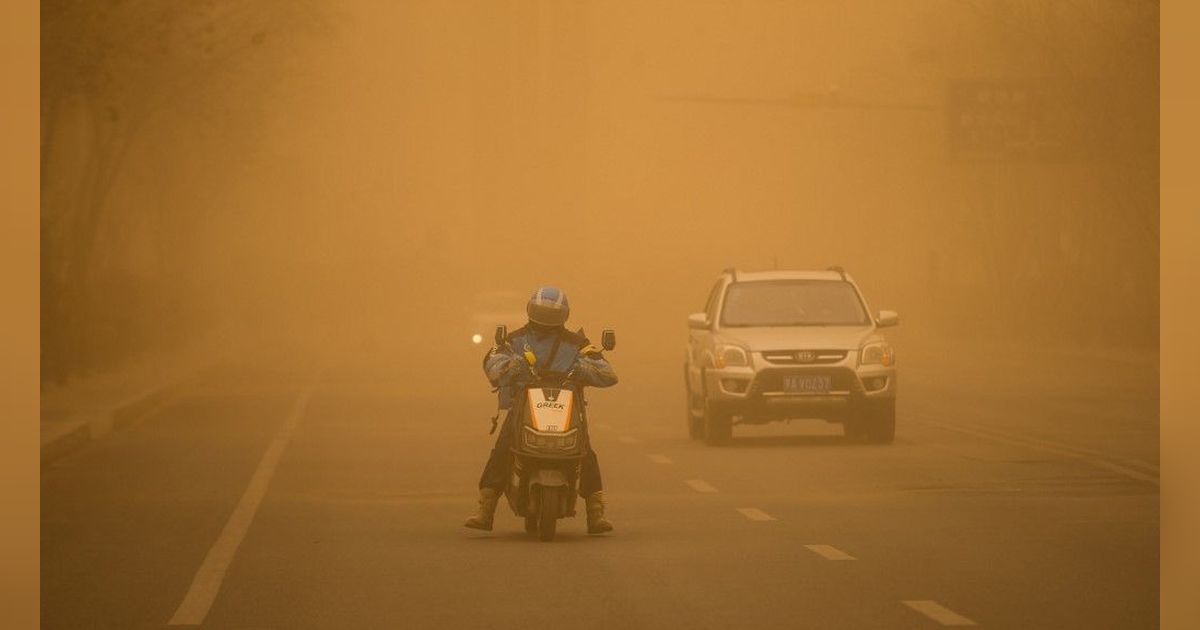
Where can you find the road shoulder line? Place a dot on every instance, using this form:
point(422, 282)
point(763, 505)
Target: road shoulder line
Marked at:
point(207, 581)
point(1090, 457)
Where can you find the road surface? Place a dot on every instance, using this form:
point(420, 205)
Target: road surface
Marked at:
point(332, 496)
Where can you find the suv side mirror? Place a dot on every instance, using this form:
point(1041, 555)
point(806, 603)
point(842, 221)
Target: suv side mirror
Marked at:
point(698, 321)
point(501, 334)
point(608, 339)
point(887, 318)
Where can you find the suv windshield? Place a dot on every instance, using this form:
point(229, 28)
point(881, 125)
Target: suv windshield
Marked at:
point(793, 303)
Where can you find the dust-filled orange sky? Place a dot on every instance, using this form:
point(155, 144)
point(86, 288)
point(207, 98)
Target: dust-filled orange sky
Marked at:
point(365, 174)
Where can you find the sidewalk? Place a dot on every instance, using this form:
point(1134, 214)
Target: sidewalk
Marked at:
point(90, 408)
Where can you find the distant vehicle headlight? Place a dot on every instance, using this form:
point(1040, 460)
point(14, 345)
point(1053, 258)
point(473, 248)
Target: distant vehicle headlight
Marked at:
point(730, 355)
point(877, 353)
point(477, 339)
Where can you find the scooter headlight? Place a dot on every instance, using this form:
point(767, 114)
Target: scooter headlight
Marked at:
point(550, 442)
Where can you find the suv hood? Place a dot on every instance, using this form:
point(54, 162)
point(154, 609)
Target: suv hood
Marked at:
point(800, 337)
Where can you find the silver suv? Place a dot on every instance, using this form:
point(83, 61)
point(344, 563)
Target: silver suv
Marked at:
point(777, 345)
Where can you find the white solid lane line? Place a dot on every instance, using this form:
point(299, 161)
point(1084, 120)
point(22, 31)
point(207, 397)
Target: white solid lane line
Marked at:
point(756, 514)
point(829, 552)
point(207, 582)
point(659, 459)
point(938, 612)
point(1093, 458)
point(628, 439)
point(700, 485)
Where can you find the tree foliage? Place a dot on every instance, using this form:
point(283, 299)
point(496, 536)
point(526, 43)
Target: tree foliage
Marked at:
point(109, 67)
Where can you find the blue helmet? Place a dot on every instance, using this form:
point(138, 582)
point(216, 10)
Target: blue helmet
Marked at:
point(548, 306)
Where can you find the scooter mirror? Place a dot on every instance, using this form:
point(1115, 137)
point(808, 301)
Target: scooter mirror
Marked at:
point(608, 339)
point(501, 334)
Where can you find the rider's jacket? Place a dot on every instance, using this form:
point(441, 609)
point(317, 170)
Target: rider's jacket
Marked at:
point(506, 369)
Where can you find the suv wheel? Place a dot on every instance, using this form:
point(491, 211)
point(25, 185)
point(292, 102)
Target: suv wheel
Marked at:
point(718, 424)
point(854, 427)
point(695, 424)
point(875, 423)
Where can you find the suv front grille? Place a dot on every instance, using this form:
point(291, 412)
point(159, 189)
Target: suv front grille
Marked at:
point(771, 379)
point(803, 357)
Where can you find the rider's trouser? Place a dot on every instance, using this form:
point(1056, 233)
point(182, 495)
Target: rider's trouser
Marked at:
point(499, 463)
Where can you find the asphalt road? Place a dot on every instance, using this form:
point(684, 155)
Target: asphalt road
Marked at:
point(333, 498)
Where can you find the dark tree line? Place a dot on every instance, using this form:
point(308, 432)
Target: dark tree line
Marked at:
point(108, 68)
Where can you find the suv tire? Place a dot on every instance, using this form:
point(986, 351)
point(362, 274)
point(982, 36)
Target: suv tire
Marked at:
point(695, 424)
point(879, 426)
point(854, 427)
point(718, 424)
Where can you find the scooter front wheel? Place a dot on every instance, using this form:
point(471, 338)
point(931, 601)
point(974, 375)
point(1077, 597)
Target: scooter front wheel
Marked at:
point(531, 524)
point(548, 514)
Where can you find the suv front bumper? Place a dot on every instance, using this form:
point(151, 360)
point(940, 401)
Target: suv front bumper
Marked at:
point(757, 391)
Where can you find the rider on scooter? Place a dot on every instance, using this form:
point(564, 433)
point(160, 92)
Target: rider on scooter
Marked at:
point(546, 345)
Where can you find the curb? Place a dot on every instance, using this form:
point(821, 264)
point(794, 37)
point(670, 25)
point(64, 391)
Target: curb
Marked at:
point(97, 426)
point(67, 441)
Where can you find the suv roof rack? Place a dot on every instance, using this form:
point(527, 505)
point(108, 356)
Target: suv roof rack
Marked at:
point(732, 271)
point(838, 269)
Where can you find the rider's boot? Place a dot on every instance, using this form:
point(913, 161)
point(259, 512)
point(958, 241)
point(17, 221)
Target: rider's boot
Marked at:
point(596, 523)
point(482, 518)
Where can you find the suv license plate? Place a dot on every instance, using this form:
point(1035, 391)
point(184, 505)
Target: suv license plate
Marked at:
point(811, 384)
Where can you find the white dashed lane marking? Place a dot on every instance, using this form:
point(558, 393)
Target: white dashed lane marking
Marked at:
point(829, 552)
point(659, 459)
point(629, 439)
point(938, 612)
point(700, 485)
point(756, 514)
point(602, 425)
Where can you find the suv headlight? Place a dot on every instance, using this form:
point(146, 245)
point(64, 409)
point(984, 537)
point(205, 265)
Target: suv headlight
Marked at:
point(877, 353)
point(731, 355)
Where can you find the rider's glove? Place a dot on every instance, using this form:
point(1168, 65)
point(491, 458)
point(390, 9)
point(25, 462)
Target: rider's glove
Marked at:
point(591, 351)
point(594, 370)
point(499, 366)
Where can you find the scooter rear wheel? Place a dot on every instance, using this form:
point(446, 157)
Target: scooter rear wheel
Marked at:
point(548, 514)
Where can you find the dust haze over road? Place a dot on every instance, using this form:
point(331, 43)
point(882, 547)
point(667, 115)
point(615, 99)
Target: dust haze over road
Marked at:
point(339, 186)
point(362, 159)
